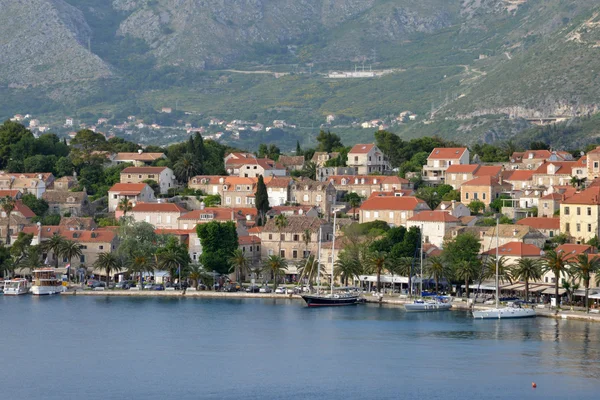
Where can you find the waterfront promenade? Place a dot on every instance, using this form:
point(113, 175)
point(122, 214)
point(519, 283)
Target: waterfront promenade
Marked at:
point(566, 314)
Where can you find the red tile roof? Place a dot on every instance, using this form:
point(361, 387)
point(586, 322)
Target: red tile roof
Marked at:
point(393, 193)
point(138, 156)
point(434, 216)
point(462, 169)
point(491, 170)
point(516, 249)
point(589, 196)
point(256, 229)
point(280, 182)
point(158, 207)
point(128, 187)
point(447, 153)
point(143, 170)
point(573, 250)
point(561, 167)
point(247, 240)
point(9, 193)
point(595, 151)
point(485, 180)
point(540, 223)
point(23, 209)
point(392, 203)
point(520, 175)
point(86, 236)
point(361, 148)
point(535, 155)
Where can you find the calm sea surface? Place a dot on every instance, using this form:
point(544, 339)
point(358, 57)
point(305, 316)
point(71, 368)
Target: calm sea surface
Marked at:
point(68, 347)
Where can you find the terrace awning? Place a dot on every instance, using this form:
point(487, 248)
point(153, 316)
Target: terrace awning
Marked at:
point(537, 289)
point(514, 286)
point(552, 290)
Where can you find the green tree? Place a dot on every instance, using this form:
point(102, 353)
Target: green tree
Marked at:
point(346, 267)
point(354, 200)
point(63, 167)
point(527, 269)
point(125, 205)
point(139, 264)
point(582, 268)
point(261, 198)
point(173, 258)
point(19, 248)
point(38, 206)
point(310, 269)
point(7, 204)
point(498, 203)
point(108, 262)
point(328, 141)
point(437, 269)
point(239, 264)
point(378, 262)
point(281, 222)
point(54, 245)
point(212, 200)
point(465, 271)
point(276, 267)
point(504, 270)
point(70, 250)
point(219, 241)
point(186, 168)
point(556, 263)
point(476, 206)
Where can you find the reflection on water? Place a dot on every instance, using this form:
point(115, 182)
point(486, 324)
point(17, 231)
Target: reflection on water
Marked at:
point(156, 348)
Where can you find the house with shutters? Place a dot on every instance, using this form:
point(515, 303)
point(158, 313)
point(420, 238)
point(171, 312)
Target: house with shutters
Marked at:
point(75, 204)
point(580, 215)
point(512, 252)
point(138, 159)
point(255, 167)
point(278, 190)
point(532, 159)
point(234, 161)
point(458, 174)
point(484, 188)
point(234, 191)
point(161, 215)
point(434, 225)
point(549, 226)
point(306, 192)
point(162, 175)
point(27, 183)
point(365, 185)
point(367, 159)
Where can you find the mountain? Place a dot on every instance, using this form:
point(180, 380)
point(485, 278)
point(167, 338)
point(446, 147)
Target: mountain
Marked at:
point(470, 69)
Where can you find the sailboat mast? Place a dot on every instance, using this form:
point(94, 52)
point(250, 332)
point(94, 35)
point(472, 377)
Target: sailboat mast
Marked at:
point(497, 261)
point(421, 256)
point(319, 262)
point(333, 250)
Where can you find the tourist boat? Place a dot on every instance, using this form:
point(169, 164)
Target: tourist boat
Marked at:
point(513, 309)
point(438, 303)
point(45, 282)
point(331, 299)
point(15, 287)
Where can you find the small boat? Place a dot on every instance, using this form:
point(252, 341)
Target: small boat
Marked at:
point(45, 282)
point(336, 299)
point(512, 310)
point(15, 287)
point(439, 303)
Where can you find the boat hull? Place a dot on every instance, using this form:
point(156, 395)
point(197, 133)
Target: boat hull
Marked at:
point(424, 307)
point(15, 292)
point(504, 313)
point(46, 290)
point(323, 301)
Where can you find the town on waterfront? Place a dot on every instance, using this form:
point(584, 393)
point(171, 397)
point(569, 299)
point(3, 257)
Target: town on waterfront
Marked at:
point(393, 220)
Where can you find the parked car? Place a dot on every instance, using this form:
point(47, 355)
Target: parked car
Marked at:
point(231, 288)
point(265, 289)
point(148, 285)
point(252, 289)
point(281, 290)
point(124, 285)
point(157, 286)
point(98, 284)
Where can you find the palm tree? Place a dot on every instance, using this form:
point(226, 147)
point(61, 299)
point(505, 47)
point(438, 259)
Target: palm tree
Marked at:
point(108, 262)
point(70, 250)
point(310, 170)
point(437, 269)
point(346, 267)
point(570, 287)
point(378, 260)
point(171, 260)
point(281, 222)
point(55, 245)
point(310, 270)
point(306, 236)
point(354, 201)
point(239, 264)
point(527, 269)
point(503, 269)
point(276, 266)
point(557, 264)
point(195, 273)
point(7, 204)
point(186, 167)
point(465, 271)
point(125, 205)
point(400, 266)
point(140, 264)
point(583, 268)
point(32, 258)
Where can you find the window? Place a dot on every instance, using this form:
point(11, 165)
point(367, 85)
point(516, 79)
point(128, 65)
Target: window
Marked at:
point(129, 176)
point(467, 195)
point(475, 196)
point(227, 200)
point(305, 197)
point(578, 210)
point(244, 249)
point(296, 238)
point(483, 196)
point(318, 197)
point(578, 227)
point(100, 247)
point(568, 227)
point(282, 236)
point(168, 219)
point(567, 211)
point(391, 215)
point(185, 226)
point(595, 164)
point(551, 234)
point(238, 200)
point(270, 236)
point(367, 214)
point(147, 218)
point(270, 252)
point(403, 215)
point(545, 205)
point(294, 253)
point(282, 253)
point(589, 227)
point(355, 158)
point(589, 211)
point(115, 196)
point(376, 214)
point(159, 219)
point(82, 258)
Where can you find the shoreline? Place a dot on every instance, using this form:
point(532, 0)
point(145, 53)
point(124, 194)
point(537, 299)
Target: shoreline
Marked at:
point(456, 305)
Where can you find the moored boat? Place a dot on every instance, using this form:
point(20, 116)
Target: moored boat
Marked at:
point(15, 287)
point(439, 303)
point(513, 310)
point(336, 299)
point(45, 282)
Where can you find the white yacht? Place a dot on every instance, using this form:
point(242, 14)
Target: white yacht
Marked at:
point(439, 303)
point(512, 310)
point(45, 282)
point(15, 287)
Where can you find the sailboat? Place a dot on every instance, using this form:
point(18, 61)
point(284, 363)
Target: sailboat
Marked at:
point(436, 303)
point(331, 299)
point(512, 310)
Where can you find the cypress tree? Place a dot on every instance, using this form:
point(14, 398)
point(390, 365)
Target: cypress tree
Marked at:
point(298, 148)
point(261, 200)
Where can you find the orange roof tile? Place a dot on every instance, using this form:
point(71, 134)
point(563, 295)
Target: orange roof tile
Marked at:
point(273, 181)
point(590, 196)
point(516, 249)
point(491, 170)
point(138, 156)
point(23, 209)
point(361, 148)
point(540, 223)
point(9, 193)
point(573, 250)
point(485, 180)
point(462, 169)
point(392, 203)
point(447, 153)
point(393, 193)
point(434, 216)
point(246, 240)
point(561, 167)
point(158, 207)
point(128, 187)
point(143, 170)
point(520, 175)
